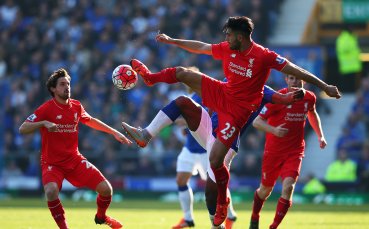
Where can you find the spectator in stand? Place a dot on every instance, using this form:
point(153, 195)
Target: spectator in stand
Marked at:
point(343, 169)
point(363, 169)
point(353, 136)
point(348, 55)
point(313, 186)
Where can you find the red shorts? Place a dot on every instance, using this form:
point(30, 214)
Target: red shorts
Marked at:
point(231, 117)
point(84, 174)
point(283, 165)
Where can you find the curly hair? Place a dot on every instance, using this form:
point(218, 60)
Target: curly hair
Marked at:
point(240, 24)
point(53, 79)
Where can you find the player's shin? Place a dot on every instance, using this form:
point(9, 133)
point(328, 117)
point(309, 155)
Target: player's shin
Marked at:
point(281, 211)
point(57, 211)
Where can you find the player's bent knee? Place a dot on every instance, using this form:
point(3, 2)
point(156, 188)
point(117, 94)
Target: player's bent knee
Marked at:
point(104, 188)
point(51, 191)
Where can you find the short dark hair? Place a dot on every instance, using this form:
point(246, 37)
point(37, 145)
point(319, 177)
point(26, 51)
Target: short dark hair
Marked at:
point(53, 79)
point(241, 24)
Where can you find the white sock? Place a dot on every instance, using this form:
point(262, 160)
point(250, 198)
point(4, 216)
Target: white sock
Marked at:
point(230, 212)
point(211, 219)
point(160, 121)
point(186, 201)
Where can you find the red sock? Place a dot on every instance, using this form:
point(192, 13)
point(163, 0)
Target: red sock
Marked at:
point(167, 75)
point(103, 203)
point(57, 211)
point(257, 205)
point(282, 208)
point(222, 179)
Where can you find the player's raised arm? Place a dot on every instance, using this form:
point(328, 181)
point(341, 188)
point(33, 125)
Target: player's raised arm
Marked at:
point(96, 124)
point(298, 72)
point(188, 45)
point(30, 127)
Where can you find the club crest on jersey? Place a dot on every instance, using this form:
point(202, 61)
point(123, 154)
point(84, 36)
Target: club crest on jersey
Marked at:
point(233, 55)
point(75, 117)
point(280, 60)
point(251, 62)
point(32, 117)
point(59, 117)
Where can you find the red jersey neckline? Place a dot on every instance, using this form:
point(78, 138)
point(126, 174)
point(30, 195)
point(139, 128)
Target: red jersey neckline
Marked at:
point(62, 106)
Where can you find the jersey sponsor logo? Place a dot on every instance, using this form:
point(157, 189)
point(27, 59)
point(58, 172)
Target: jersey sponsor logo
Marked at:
point(280, 60)
point(239, 70)
point(32, 117)
point(233, 55)
point(228, 131)
point(59, 117)
point(295, 117)
point(66, 128)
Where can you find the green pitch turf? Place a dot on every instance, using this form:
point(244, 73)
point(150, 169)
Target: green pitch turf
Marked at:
point(33, 214)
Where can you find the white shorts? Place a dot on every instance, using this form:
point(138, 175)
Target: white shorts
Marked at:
point(204, 136)
point(195, 163)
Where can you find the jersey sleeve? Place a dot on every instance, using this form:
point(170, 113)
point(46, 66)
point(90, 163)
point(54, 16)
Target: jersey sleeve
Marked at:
point(38, 115)
point(313, 102)
point(85, 117)
point(267, 111)
point(217, 50)
point(268, 94)
point(273, 60)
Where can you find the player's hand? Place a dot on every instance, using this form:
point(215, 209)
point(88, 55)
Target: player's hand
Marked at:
point(297, 93)
point(280, 131)
point(164, 38)
point(121, 138)
point(332, 91)
point(50, 126)
point(322, 142)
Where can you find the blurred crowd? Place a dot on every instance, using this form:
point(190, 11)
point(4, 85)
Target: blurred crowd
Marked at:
point(89, 39)
point(352, 147)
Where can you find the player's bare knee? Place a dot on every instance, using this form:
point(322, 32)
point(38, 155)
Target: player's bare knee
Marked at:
point(51, 192)
point(264, 192)
point(104, 188)
point(288, 190)
point(181, 181)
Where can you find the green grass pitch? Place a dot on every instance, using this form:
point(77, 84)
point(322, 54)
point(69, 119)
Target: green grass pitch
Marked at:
point(135, 214)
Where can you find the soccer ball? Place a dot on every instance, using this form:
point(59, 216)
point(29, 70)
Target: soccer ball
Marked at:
point(124, 77)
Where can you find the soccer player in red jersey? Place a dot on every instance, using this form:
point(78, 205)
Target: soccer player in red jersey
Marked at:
point(246, 66)
point(284, 148)
point(57, 119)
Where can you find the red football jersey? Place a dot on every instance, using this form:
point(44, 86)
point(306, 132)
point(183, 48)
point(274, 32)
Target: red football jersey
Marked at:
point(247, 71)
point(60, 147)
point(294, 116)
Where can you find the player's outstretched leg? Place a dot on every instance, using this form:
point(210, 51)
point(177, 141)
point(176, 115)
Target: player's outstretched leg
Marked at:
point(141, 136)
point(167, 75)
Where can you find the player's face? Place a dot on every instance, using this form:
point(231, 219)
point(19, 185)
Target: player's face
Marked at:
point(232, 39)
point(294, 82)
point(62, 89)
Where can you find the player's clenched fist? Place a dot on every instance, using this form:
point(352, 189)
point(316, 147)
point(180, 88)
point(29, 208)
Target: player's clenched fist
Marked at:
point(163, 38)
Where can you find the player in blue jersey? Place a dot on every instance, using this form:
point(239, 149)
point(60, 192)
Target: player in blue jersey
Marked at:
point(201, 127)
